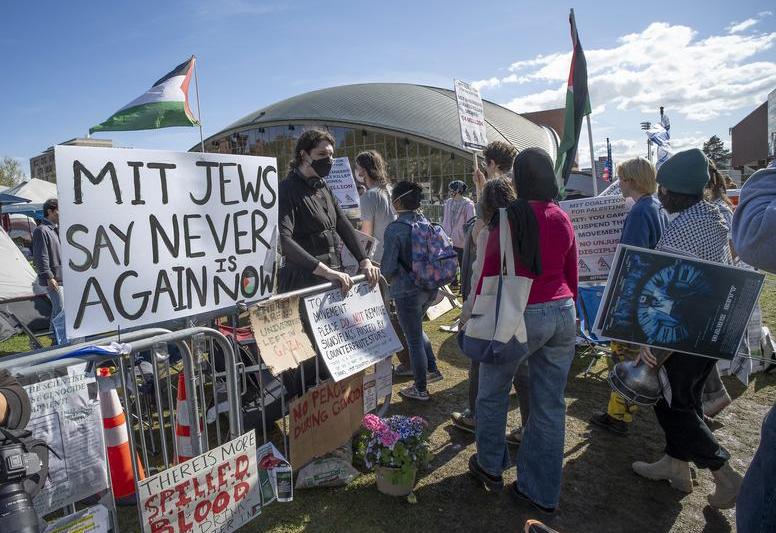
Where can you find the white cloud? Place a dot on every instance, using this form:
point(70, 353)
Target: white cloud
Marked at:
point(665, 64)
point(737, 27)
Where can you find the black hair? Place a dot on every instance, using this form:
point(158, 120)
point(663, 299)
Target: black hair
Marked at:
point(676, 202)
point(50, 205)
point(534, 176)
point(307, 142)
point(407, 194)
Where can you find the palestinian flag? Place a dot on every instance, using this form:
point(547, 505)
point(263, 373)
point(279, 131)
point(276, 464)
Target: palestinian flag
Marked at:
point(163, 105)
point(577, 106)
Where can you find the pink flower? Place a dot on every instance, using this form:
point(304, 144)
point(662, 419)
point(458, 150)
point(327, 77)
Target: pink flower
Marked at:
point(374, 423)
point(388, 437)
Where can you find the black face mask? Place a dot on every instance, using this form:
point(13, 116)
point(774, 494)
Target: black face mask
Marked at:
point(322, 166)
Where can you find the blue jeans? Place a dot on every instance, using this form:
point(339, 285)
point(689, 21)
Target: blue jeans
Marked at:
point(410, 310)
point(756, 501)
point(57, 314)
point(551, 330)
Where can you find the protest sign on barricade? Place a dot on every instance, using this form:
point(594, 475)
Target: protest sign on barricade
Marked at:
point(677, 303)
point(471, 116)
point(149, 236)
point(66, 419)
point(352, 332)
point(598, 223)
point(377, 384)
point(90, 520)
point(215, 491)
point(324, 418)
point(343, 185)
point(280, 337)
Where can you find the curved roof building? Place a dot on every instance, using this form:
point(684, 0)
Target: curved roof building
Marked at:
point(414, 127)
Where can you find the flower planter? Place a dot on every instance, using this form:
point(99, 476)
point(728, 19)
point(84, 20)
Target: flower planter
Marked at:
point(395, 481)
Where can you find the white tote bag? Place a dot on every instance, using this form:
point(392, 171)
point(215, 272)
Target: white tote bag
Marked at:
point(496, 333)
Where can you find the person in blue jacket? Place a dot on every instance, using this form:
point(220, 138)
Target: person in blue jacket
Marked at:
point(643, 227)
point(754, 238)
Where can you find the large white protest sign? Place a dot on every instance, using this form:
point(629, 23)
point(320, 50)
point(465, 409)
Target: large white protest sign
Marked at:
point(66, 419)
point(216, 491)
point(149, 236)
point(351, 332)
point(343, 185)
point(598, 223)
point(471, 115)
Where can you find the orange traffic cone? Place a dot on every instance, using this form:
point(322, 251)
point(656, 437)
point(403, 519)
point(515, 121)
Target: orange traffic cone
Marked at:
point(182, 427)
point(114, 430)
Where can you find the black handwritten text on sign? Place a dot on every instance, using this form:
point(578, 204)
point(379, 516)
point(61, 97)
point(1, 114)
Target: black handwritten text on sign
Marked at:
point(149, 236)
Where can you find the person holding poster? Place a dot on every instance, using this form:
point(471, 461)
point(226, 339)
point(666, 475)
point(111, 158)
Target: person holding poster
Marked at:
point(643, 227)
point(545, 250)
point(698, 230)
point(458, 210)
point(497, 193)
point(311, 222)
point(376, 210)
point(411, 301)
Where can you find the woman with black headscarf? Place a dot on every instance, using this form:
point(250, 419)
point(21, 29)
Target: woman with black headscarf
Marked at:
point(546, 251)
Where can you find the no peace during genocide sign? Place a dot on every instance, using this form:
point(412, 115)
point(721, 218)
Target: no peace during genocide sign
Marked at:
point(149, 236)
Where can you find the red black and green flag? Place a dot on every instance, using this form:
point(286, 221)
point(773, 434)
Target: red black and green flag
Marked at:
point(577, 106)
point(164, 105)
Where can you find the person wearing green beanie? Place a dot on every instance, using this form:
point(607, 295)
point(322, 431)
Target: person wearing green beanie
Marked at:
point(699, 230)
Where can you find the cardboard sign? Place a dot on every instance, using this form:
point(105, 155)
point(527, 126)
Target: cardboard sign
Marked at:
point(352, 332)
point(598, 223)
point(279, 335)
point(149, 236)
point(325, 418)
point(677, 303)
point(471, 116)
point(342, 183)
point(216, 491)
point(66, 419)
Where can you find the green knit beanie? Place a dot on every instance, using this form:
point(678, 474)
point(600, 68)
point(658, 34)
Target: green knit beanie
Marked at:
point(685, 172)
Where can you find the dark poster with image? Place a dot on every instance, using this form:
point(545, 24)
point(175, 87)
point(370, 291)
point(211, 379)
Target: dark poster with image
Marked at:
point(677, 303)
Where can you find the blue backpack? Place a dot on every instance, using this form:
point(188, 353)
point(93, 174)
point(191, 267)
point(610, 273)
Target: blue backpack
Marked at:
point(434, 260)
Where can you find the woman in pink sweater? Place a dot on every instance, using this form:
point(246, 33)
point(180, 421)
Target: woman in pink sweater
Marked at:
point(546, 251)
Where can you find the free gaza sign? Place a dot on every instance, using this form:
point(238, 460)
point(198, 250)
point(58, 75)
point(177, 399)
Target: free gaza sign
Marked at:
point(149, 236)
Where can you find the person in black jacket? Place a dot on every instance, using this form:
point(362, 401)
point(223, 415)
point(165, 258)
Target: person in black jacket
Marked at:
point(48, 263)
point(14, 402)
point(311, 222)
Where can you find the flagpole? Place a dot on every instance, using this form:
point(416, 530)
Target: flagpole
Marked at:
point(199, 113)
point(592, 157)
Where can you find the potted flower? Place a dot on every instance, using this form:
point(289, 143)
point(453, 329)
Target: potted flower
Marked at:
point(394, 447)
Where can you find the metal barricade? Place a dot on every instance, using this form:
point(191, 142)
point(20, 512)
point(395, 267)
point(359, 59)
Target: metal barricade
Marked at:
point(139, 418)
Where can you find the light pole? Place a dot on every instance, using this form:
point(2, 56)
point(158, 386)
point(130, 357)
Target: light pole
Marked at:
point(645, 126)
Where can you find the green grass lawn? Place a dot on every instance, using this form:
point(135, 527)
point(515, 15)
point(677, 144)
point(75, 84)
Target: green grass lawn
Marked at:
point(599, 493)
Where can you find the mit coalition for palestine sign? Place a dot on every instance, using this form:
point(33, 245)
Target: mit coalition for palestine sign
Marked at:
point(149, 236)
point(598, 224)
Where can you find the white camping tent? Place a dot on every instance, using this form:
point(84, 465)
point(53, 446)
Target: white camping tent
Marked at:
point(36, 191)
point(17, 278)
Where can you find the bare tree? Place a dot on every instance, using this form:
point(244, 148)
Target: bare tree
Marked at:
point(11, 172)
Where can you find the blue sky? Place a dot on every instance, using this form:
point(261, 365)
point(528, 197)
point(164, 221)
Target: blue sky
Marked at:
point(70, 65)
